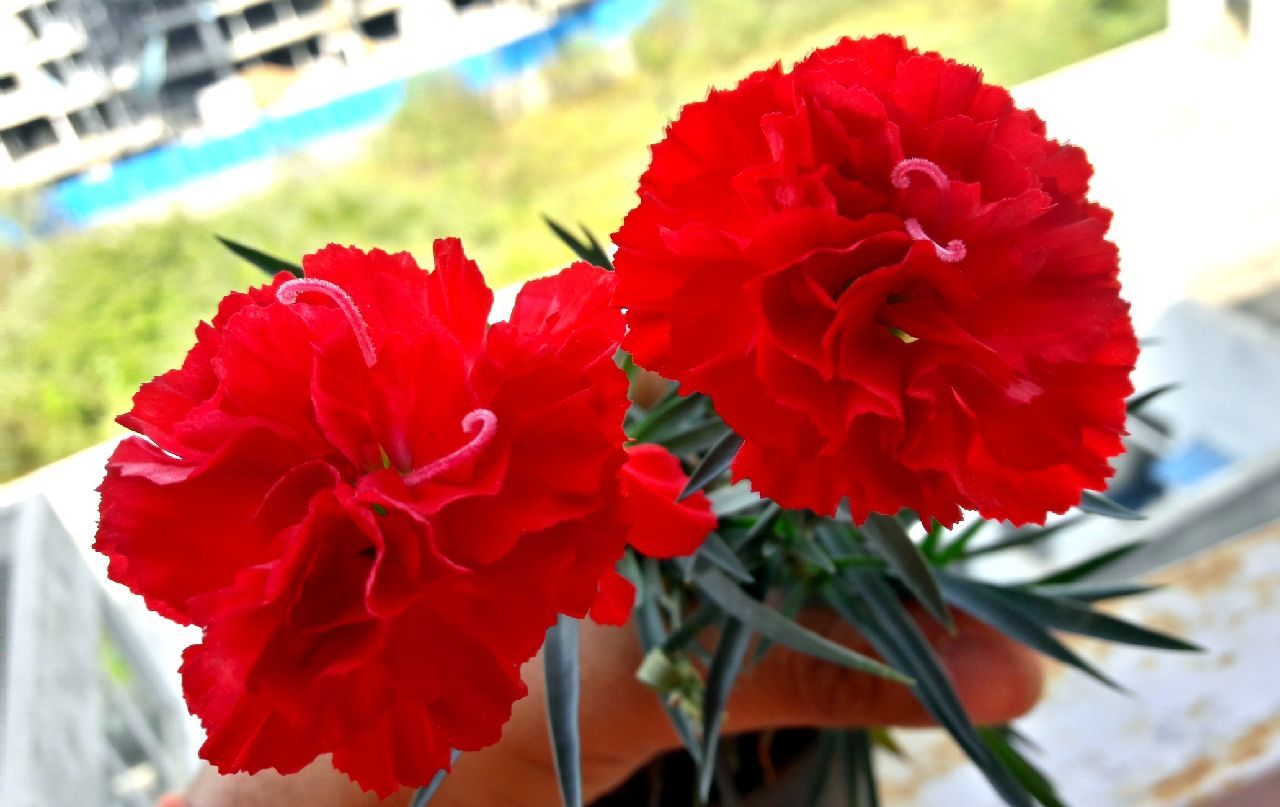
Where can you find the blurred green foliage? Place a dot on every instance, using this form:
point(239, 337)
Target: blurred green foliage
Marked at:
point(86, 317)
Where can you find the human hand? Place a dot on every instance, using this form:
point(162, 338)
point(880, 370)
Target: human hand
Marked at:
point(623, 725)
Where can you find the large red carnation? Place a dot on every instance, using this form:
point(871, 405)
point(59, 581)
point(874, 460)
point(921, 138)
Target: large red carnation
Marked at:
point(889, 281)
point(374, 505)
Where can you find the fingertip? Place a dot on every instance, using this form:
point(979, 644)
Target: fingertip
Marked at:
point(171, 800)
point(998, 679)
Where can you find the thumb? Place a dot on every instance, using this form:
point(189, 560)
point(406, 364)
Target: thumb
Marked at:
point(996, 678)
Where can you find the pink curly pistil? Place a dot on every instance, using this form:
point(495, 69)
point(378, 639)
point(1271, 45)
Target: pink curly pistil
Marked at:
point(954, 251)
point(290, 289)
point(488, 423)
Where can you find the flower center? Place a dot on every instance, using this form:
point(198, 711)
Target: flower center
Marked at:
point(954, 251)
point(488, 426)
point(290, 289)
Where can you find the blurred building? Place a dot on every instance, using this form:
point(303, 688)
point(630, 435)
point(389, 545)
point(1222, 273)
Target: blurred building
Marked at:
point(86, 717)
point(83, 82)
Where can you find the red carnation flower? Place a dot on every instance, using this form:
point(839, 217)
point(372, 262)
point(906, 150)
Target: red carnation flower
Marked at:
point(374, 505)
point(890, 282)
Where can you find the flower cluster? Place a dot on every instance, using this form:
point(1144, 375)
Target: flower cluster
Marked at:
point(375, 505)
point(889, 281)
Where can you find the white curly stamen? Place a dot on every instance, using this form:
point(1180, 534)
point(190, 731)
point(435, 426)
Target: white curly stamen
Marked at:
point(488, 423)
point(954, 251)
point(290, 289)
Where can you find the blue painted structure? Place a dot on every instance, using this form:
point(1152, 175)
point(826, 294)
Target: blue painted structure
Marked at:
point(79, 201)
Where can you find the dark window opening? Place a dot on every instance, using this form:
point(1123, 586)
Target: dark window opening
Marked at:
point(179, 97)
point(383, 26)
point(262, 15)
point(306, 6)
point(54, 71)
point(280, 56)
point(184, 41)
point(86, 122)
point(224, 28)
point(29, 137)
point(313, 47)
point(461, 4)
point(28, 18)
point(8, 83)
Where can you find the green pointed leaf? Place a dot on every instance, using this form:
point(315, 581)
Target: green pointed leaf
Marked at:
point(867, 601)
point(859, 769)
point(733, 499)
point(889, 540)
point(956, 549)
point(1085, 592)
point(1075, 617)
point(725, 665)
point(979, 601)
point(933, 540)
point(696, 438)
point(713, 464)
point(1100, 505)
point(1137, 402)
point(560, 662)
point(667, 417)
point(423, 795)
point(1031, 777)
point(1024, 537)
point(768, 622)
point(588, 250)
point(652, 636)
point(763, 525)
point(1078, 571)
point(267, 263)
point(719, 554)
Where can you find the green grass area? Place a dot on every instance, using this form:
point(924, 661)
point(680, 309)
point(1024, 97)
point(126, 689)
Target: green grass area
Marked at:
point(85, 318)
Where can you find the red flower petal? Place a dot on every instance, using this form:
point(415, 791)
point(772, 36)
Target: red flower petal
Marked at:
point(661, 527)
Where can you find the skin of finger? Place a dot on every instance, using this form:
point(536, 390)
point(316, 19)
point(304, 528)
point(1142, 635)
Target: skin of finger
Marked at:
point(623, 725)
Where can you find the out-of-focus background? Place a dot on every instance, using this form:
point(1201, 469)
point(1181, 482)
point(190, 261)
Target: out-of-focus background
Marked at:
point(131, 131)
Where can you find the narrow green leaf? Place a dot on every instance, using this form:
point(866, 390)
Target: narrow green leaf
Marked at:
point(997, 612)
point(665, 418)
point(560, 662)
point(703, 617)
point(869, 603)
point(1079, 571)
point(960, 544)
point(1085, 592)
point(824, 757)
point(763, 525)
point(713, 464)
point(933, 540)
point(719, 554)
point(888, 538)
point(652, 635)
point(696, 438)
point(267, 263)
point(589, 250)
point(1137, 402)
point(859, 769)
point(424, 795)
point(1100, 505)
point(733, 499)
point(1031, 777)
point(768, 622)
point(1025, 537)
point(725, 665)
point(1074, 617)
